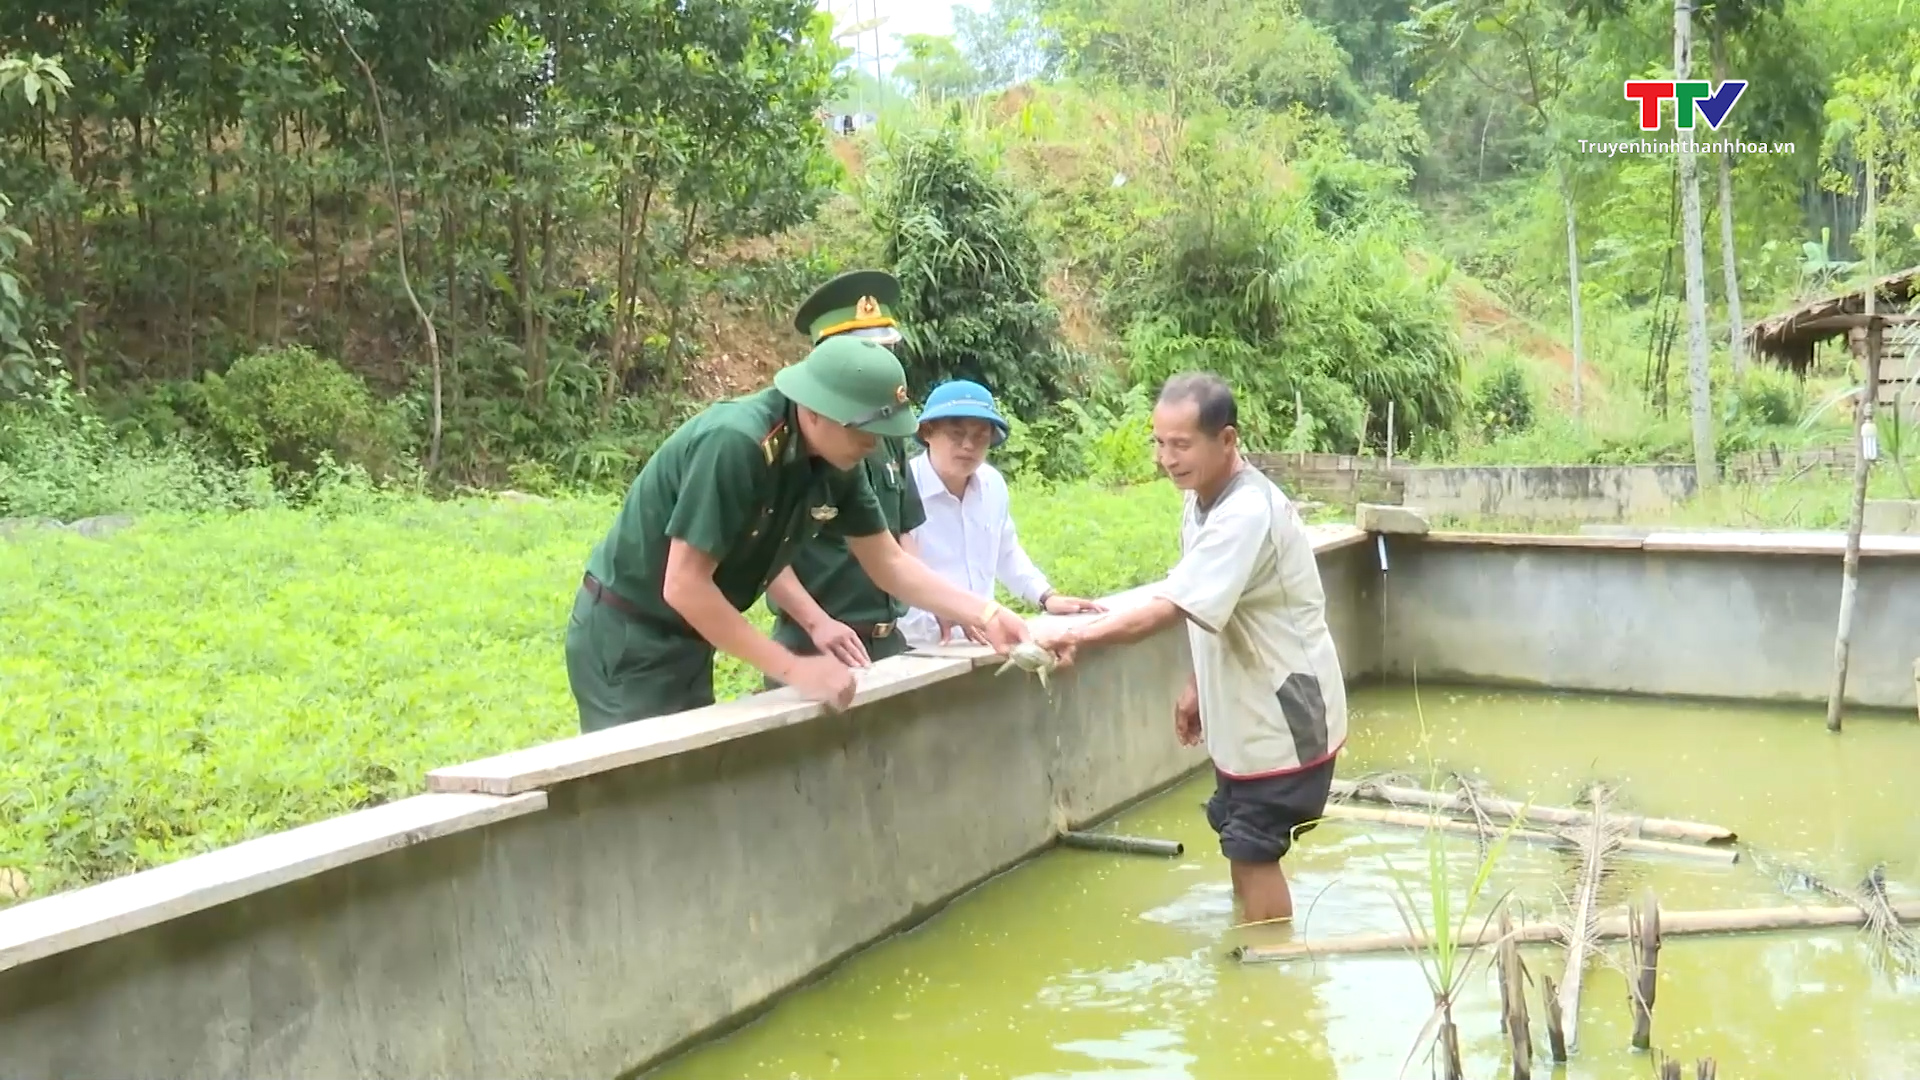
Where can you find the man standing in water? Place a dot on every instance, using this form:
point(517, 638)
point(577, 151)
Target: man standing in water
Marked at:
point(824, 602)
point(1266, 693)
point(719, 510)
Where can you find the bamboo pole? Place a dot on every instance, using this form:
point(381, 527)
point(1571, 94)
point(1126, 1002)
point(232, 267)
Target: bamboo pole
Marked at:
point(1862, 466)
point(1609, 928)
point(1413, 820)
point(1130, 845)
point(1509, 810)
point(1850, 569)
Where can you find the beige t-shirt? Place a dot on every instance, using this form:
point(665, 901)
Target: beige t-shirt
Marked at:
point(1272, 698)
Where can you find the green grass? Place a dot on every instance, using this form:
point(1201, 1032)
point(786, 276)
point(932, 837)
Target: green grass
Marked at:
point(187, 684)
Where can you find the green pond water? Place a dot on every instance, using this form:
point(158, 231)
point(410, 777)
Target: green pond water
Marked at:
point(1092, 965)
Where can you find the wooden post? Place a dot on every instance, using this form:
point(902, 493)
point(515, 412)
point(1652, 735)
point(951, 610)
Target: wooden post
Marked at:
point(1850, 569)
point(1513, 999)
point(1644, 929)
point(1670, 1069)
point(1556, 1039)
point(1389, 436)
point(1705, 1069)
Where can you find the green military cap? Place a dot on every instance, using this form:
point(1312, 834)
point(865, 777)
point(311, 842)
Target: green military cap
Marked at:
point(852, 381)
point(859, 304)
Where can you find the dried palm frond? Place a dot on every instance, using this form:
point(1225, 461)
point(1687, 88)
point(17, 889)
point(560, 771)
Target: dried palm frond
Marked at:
point(1894, 947)
point(1470, 792)
point(1596, 841)
point(1794, 879)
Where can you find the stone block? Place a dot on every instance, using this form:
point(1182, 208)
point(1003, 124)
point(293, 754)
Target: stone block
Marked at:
point(1392, 520)
point(1891, 517)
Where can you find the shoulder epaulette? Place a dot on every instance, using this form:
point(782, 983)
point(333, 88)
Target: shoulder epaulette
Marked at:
point(775, 441)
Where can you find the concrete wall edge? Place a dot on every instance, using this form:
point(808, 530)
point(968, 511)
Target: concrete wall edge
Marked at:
point(69, 920)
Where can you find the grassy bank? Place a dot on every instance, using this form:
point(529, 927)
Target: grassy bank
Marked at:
point(187, 684)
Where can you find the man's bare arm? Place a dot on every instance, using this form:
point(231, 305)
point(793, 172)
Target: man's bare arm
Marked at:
point(1125, 626)
point(901, 575)
point(689, 590)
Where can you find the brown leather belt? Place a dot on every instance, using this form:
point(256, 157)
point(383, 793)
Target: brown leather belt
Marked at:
point(603, 595)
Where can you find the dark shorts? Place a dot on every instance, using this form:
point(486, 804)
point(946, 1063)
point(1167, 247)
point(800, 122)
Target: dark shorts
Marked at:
point(1258, 820)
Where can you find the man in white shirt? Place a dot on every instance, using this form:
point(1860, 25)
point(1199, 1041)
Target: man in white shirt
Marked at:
point(968, 537)
point(1267, 691)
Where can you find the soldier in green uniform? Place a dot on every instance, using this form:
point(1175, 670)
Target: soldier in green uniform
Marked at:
point(719, 510)
point(824, 602)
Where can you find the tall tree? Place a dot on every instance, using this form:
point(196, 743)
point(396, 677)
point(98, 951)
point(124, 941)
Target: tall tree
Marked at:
point(1706, 470)
point(1728, 19)
point(1524, 50)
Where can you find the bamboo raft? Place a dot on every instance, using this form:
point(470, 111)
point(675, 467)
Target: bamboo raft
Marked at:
point(1509, 810)
point(1609, 928)
point(1410, 819)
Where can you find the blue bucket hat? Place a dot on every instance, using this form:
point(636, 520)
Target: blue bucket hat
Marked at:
point(964, 400)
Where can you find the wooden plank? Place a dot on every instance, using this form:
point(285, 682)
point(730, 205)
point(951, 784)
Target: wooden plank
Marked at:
point(41, 928)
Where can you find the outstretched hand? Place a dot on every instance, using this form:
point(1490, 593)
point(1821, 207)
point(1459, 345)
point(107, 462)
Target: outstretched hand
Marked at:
point(1063, 644)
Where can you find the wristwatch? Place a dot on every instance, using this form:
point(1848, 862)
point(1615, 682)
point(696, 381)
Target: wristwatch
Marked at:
point(1044, 597)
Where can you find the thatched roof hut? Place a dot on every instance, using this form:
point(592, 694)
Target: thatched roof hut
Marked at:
point(1789, 338)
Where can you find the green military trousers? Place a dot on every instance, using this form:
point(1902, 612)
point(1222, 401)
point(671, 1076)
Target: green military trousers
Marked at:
point(788, 633)
point(622, 670)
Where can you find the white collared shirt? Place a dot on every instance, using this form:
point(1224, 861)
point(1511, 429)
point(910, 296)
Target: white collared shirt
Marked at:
point(969, 541)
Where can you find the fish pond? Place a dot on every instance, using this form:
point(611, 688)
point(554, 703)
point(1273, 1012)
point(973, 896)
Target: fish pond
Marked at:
point(1083, 964)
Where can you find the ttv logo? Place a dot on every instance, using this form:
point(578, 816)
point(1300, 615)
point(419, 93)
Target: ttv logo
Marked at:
point(1712, 104)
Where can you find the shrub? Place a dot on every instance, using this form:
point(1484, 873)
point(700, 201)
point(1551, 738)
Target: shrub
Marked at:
point(60, 459)
point(1768, 397)
point(1502, 400)
point(291, 408)
point(973, 303)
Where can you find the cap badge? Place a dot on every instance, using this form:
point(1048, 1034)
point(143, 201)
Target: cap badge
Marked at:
point(900, 394)
point(867, 308)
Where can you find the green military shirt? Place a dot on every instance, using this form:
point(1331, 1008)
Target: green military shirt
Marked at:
point(830, 573)
point(737, 483)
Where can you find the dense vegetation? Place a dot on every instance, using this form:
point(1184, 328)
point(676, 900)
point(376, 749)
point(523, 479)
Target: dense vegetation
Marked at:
point(195, 682)
point(499, 244)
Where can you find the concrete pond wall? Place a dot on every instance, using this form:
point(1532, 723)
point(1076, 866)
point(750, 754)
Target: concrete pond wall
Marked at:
point(1589, 493)
point(587, 907)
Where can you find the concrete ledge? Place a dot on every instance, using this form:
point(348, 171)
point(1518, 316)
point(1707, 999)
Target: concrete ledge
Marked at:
point(1474, 539)
point(1781, 543)
point(1711, 542)
point(632, 744)
point(41, 928)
